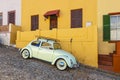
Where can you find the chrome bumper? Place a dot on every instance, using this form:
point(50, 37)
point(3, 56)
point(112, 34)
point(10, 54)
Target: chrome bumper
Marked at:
point(76, 65)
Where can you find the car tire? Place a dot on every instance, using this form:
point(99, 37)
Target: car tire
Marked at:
point(25, 54)
point(61, 64)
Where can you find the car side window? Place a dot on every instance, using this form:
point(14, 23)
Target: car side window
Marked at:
point(46, 45)
point(35, 43)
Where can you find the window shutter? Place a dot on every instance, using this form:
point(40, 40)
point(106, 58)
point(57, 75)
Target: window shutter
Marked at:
point(11, 17)
point(76, 18)
point(53, 21)
point(106, 27)
point(34, 22)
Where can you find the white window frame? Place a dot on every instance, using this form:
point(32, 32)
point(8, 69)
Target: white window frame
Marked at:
point(115, 27)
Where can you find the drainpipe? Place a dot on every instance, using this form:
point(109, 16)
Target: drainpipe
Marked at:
point(71, 44)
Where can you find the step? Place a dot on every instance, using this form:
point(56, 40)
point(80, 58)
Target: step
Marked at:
point(107, 63)
point(108, 68)
point(105, 58)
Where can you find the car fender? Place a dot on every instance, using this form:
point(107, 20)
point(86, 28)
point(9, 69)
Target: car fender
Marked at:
point(27, 48)
point(62, 57)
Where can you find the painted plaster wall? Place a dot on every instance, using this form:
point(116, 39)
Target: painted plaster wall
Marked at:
point(5, 38)
point(10, 5)
point(40, 7)
point(84, 44)
point(13, 33)
point(9, 37)
point(106, 7)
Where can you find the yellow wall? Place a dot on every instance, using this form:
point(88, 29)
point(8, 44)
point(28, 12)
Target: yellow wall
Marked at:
point(23, 38)
point(84, 44)
point(105, 7)
point(13, 33)
point(40, 7)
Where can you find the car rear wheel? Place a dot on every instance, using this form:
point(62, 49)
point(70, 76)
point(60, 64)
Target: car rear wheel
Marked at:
point(61, 64)
point(25, 54)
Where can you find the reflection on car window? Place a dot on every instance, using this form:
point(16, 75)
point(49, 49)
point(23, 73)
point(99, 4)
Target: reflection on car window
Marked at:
point(36, 43)
point(46, 45)
point(57, 46)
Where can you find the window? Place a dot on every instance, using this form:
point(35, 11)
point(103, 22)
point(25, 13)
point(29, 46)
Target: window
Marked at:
point(11, 17)
point(1, 18)
point(34, 22)
point(57, 46)
point(111, 27)
point(53, 14)
point(115, 27)
point(35, 43)
point(76, 18)
point(46, 45)
point(53, 21)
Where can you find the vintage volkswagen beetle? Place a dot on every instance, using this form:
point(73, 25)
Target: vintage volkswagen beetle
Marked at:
point(49, 50)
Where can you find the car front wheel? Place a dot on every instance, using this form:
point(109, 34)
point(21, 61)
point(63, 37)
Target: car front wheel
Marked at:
point(61, 64)
point(25, 54)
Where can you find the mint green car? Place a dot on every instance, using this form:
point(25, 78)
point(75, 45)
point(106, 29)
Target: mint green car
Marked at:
point(49, 50)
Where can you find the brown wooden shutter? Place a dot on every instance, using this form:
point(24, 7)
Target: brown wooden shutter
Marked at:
point(53, 21)
point(34, 22)
point(11, 17)
point(76, 18)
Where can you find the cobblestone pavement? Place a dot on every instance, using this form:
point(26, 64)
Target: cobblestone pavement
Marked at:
point(14, 67)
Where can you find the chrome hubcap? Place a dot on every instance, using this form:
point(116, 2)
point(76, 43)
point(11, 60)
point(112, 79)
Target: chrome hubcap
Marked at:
point(61, 64)
point(25, 54)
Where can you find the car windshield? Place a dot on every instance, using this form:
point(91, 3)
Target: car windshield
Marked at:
point(57, 46)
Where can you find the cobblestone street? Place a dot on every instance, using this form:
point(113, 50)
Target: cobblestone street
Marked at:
point(14, 67)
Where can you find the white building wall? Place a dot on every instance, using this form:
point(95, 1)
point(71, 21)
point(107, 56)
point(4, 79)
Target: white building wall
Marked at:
point(11, 5)
point(5, 38)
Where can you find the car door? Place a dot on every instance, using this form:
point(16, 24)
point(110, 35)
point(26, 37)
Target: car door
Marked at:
point(45, 52)
point(35, 47)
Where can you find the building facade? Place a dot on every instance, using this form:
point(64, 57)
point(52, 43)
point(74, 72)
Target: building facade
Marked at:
point(74, 23)
point(10, 12)
point(87, 29)
point(108, 33)
point(10, 15)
